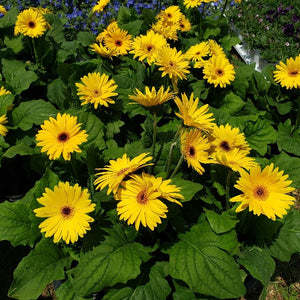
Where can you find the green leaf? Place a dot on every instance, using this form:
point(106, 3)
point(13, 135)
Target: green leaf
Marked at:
point(116, 260)
point(228, 41)
point(288, 240)
point(259, 135)
point(45, 263)
point(242, 78)
point(232, 104)
point(188, 188)
point(290, 165)
point(19, 149)
point(288, 139)
point(32, 112)
point(221, 223)
point(14, 43)
point(211, 32)
point(59, 94)
point(198, 260)
point(258, 262)
point(16, 75)
point(133, 27)
point(10, 18)
point(123, 15)
point(85, 38)
point(182, 292)
point(56, 32)
point(65, 292)
point(113, 128)
point(157, 286)
point(5, 102)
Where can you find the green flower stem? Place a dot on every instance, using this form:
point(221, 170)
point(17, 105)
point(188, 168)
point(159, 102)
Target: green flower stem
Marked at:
point(177, 166)
point(224, 7)
point(154, 137)
point(168, 164)
point(228, 180)
point(36, 58)
point(174, 84)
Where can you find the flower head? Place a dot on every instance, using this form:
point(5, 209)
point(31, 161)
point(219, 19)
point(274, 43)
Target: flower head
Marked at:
point(192, 115)
point(197, 52)
point(139, 200)
point(66, 209)
point(61, 136)
point(114, 173)
point(100, 5)
point(264, 192)
point(103, 51)
point(194, 147)
point(214, 48)
point(169, 31)
point(288, 75)
point(2, 10)
point(3, 129)
point(151, 97)
point(3, 91)
point(172, 62)
point(192, 3)
point(118, 40)
point(31, 23)
point(96, 89)
point(184, 24)
point(218, 71)
point(171, 15)
point(146, 46)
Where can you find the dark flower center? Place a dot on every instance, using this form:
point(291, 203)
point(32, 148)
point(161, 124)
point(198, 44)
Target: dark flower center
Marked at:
point(219, 72)
point(122, 171)
point(97, 92)
point(171, 64)
point(142, 197)
point(225, 146)
point(260, 193)
point(63, 137)
point(192, 151)
point(149, 48)
point(118, 43)
point(31, 24)
point(294, 73)
point(169, 15)
point(67, 211)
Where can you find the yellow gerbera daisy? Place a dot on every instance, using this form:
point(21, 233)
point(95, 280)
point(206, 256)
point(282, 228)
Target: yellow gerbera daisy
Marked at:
point(61, 136)
point(225, 139)
point(3, 91)
point(2, 10)
point(168, 31)
point(197, 52)
point(151, 97)
point(237, 160)
point(42, 10)
point(113, 174)
point(219, 71)
point(171, 15)
point(3, 129)
point(192, 115)
point(139, 200)
point(192, 3)
point(264, 192)
point(215, 48)
point(96, 89)
point(118, 40)
point(100, 5)
point(172, 62)
point(288, 75)
point(31, 23)
point(103, 51)
point(146, 46)
point(105, 33)
point(66, 209)
point(184, 24)
point(194, 147)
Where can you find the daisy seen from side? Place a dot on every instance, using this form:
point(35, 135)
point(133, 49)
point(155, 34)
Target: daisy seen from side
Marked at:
point(96, 88)
point(264, 192)
point(101, 4)
point(61, 136)
point(3, 129)
point(66, 211)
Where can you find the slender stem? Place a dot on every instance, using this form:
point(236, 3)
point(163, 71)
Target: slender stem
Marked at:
point(228, 180)
point(174, 84)
point(167, 166)
point(35, 52)
point(150, 75)
point(177, 166)
point(224, 7)
point(154, 137)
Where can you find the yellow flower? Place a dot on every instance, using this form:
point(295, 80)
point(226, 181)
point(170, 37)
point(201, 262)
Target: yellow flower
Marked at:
point(225, 139)
point(105, 33)
point(194, 147)
point(139, 200)
point(103, 51)
point(2, 10)
point(264, 192)
point(219, 71)
point(192, 115)
point(3, 129)
point(172, 62)
point(197, 52)
point(192, 3)
point(171, 15)
point(42, 10)
point(66, 209)
point(237, 160)
point(118, 40)
point(184, 24)
point(288, 75)
point(3, 91)
point(61, 136)
point(168, 31)
point(100, 5)
point(96, 89)
point(31, 23)
point(113, 174)
point(151, 97)
point(215, 48)
point(146, 46)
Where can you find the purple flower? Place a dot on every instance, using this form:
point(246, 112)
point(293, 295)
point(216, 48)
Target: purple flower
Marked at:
point(295, 18)
point(288, 29)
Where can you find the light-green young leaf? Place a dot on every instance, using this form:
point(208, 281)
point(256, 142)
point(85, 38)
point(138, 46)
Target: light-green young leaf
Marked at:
point(44, 264)
point(116, 260)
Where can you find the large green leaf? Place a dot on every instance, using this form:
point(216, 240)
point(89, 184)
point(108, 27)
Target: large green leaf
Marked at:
point(10, 18)
point(221, 223)
point(45, 263)
point(198, 260)
point(288, 240)
point(156, 287)
point(16, 75)
point(32, 112)
point(116, 260)
point(65, 292)
point(5, 102)
point(288, 139)
point(259, 135)
point(58, 93)
point(232, 104)
point(18, 223)
point(258, 262)
point(19, 149)
point(182, 292)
